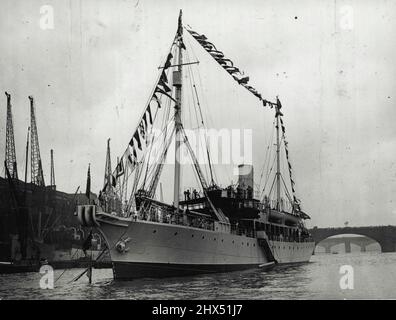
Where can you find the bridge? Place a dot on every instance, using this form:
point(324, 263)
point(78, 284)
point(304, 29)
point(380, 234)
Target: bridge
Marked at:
point(360, 241)
point(384, 235)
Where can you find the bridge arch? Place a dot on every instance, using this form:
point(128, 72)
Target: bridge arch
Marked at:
point(384, 235)
point(347, 242)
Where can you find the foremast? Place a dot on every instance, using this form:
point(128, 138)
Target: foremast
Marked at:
point(177, 82)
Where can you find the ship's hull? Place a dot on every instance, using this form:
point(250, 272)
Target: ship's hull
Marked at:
point(152, 249)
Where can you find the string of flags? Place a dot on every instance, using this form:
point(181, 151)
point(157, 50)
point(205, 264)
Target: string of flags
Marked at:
point(295, 200)
point(140, 136)
point(228, 66)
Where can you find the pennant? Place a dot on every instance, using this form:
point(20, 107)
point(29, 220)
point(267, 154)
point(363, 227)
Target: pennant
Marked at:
point(134, 152)
point(228, 60)
point(145, 120)
point(168, 61)
point(131, 162)
point(182, 43)
point(142, 131)
point(243, 80)
point(216, 53)
point(137, 138)
point(232, 70)
point(164, 77)
point(278, 103)
point(156, 100)
point(149, 112)
point(164, 93)
point(163, 84)
point(221, 62)
point(227, 64)
point(120, 169)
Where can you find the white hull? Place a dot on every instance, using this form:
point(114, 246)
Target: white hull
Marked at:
point(152, 249)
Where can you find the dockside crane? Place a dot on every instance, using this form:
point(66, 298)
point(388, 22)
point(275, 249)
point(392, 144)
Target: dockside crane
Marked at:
point(37, 176)
point(10, 154)
point(53, 186)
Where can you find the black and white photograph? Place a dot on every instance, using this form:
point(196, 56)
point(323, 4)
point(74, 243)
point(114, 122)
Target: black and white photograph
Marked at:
point(197, 151)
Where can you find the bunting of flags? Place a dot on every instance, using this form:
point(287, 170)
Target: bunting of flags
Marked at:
point(279, 113)
point(140, 136)
point(228, 65)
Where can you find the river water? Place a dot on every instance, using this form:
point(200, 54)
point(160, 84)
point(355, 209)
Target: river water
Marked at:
point(374, 277)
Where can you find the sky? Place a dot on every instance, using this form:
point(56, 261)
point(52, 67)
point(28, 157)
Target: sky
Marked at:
point(330, 62)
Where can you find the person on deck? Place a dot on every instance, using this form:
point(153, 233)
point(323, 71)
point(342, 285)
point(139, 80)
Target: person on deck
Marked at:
point(195, 194)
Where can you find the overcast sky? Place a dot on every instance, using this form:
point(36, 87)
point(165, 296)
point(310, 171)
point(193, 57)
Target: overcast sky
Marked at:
point(332, 63)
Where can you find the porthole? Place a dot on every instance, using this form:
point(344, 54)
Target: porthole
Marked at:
point(254, 244)
point(175, 233)
point(233, 241)
point(154, 231)
point(214, 239)
point(203, 237)
point(222, 240)
point(192, 236)
point(247, 244)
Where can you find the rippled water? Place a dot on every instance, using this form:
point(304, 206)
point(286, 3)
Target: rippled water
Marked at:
point(374, 277)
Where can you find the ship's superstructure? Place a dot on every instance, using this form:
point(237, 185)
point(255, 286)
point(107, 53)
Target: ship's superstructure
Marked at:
point(212, 228)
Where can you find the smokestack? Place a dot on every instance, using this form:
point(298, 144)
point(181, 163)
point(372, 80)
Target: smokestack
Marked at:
point(245, 179)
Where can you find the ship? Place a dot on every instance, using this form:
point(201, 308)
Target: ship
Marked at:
point(215, 229)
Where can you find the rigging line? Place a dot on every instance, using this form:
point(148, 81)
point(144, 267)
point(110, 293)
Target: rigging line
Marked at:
point(148, 162)
point(286, 190)
point(205, 135)
point(192, 87)
point(268, 164)
point(146, 158)
point(272, 186)
point(212, 173)
point(129, 173)
point(266, 181)
point(267, 153)
point(149, 153)
point(195, 97)
point(209, 118)
point(288, 160)
point(138, 176)
point(159, 162)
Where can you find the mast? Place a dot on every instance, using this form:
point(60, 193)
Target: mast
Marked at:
point(107, 175)
point(177, 82)
point(10, 155)
point(278, 173)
